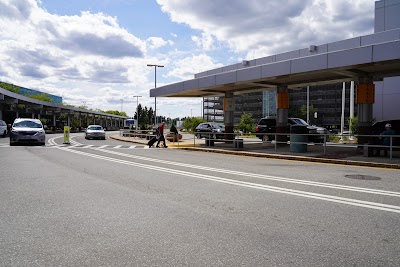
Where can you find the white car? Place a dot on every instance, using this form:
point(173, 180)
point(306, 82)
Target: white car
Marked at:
point(95, 132)
point(3, 128)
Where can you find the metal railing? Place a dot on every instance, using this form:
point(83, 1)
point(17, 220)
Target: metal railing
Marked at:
point(324, 140)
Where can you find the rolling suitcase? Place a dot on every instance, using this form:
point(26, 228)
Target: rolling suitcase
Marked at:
point(152, 141)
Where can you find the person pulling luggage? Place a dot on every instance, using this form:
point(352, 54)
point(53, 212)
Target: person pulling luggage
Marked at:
point(161, 135)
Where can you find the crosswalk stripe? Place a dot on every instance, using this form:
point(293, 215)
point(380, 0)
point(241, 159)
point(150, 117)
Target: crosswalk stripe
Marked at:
point(78, 145)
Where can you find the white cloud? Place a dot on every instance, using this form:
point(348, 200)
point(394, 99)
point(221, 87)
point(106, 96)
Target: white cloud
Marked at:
point(272, 26)
point(157, 42)
point(186, 68)
point(205, 42)
point(81, 57)
point(90, 57)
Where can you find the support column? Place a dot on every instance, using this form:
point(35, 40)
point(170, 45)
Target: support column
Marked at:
point(282, 99)
point(365, 102)
point(68, 121)
point(1, 115)
point(53, 127)
point(229, 109)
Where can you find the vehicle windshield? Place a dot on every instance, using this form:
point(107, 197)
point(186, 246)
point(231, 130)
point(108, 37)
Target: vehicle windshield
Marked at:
point(27, 124)
point(221, 126)
point(300, 121)
point(95, 128)
point(267, 122)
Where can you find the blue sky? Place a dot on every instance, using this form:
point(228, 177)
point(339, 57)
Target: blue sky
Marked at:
point(96, 51)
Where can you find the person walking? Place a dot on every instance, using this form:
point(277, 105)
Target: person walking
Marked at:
point(385, 140)
point(161, 135)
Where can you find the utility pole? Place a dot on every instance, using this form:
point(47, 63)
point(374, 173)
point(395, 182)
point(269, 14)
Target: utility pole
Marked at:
point(155, 86)
point(137, 110)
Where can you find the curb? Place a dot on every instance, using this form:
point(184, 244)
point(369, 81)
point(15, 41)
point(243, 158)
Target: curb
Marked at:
point(280, 156)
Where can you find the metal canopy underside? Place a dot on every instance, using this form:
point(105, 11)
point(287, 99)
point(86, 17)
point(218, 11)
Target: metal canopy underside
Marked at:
point(373, 62)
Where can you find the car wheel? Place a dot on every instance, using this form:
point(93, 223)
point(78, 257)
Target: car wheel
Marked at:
point(12, 144)
point(214, 136)
point(198, 136)
point(5, 133)
point(265, 138)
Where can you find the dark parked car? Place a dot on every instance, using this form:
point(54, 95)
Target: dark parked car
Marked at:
point(210, 130)
point(27, 131)
point(267, 126)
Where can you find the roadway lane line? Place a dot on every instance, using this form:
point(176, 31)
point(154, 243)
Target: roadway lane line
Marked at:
point(329, 198)
point(103, 146)
point(259, 176)
point(118, 146)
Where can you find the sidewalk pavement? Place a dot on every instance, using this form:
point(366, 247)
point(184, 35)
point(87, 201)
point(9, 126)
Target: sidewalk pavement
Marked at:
point(346, 154)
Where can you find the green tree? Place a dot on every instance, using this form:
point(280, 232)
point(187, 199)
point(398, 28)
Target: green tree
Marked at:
point(353, 125)
point(294, 112)
point(191, 123)
point(150, 115)
point(116, 112)
point(41, 97)
point(303, 110)
point(247, 124)
point(10, 87)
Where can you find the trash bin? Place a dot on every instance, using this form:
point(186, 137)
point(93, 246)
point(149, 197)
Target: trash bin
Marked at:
point(368, 150)
point(209, 142)
point(238, 143)
point(298, 138)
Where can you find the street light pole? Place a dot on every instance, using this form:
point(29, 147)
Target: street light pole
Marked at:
point(155, 86)
point(156, 117)
point(137, 110)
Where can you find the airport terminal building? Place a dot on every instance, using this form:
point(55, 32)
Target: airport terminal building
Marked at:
point(327, 98)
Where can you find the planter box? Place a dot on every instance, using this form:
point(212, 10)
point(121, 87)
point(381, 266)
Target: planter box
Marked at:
point(173, 138)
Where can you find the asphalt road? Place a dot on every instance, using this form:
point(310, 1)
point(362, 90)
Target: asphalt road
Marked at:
point(109, 203)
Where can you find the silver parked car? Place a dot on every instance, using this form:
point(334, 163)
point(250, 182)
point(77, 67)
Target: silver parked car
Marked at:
point(27, 131)
point(95, 132)
point(3, 128)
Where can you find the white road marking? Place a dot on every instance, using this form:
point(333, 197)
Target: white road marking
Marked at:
point(330, 198)
point(117, 146)
point(260, 176)
point(103, 146)
point(129, 147)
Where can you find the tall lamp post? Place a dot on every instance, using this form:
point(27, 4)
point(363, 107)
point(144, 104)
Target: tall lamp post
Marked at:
point(137, 110)
point(155, 86)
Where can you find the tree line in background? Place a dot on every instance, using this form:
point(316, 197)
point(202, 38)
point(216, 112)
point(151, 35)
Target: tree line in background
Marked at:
point(146, 115)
